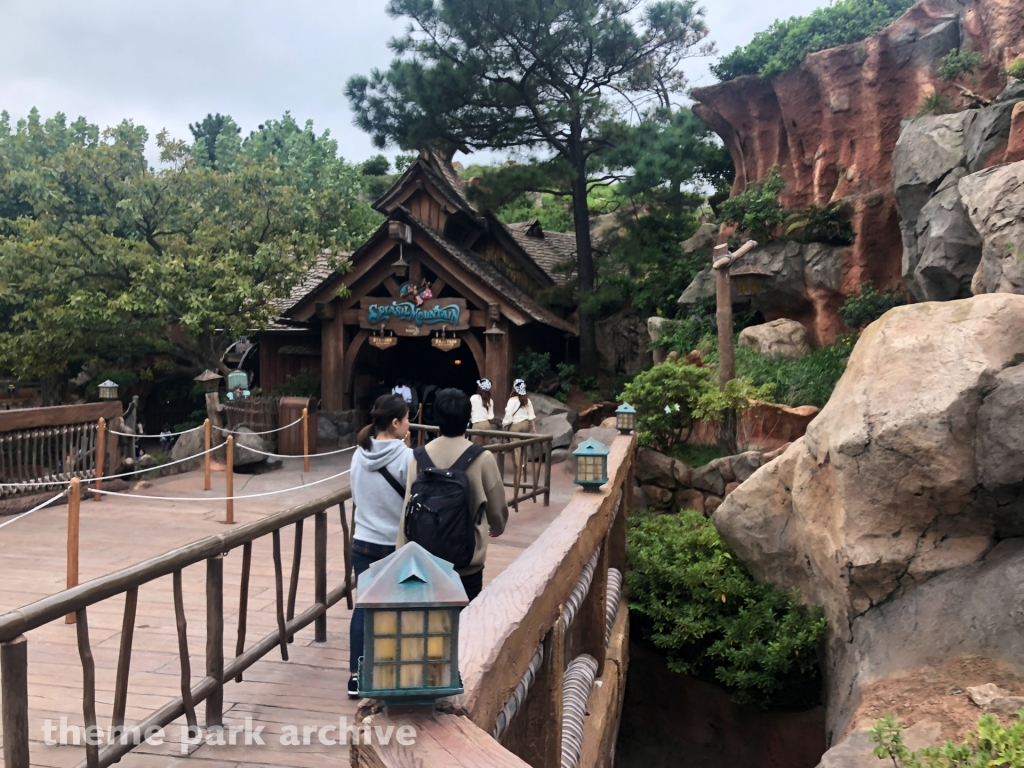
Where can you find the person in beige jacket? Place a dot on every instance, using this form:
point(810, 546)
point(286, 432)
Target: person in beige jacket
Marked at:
point(452, 411)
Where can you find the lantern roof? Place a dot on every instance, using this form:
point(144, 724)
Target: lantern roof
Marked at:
point(108, 383)
point(410, 577)
point(591, 447)
point(207, 375)
point(625, 408)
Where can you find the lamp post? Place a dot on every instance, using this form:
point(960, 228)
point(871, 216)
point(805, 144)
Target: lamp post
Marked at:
point(591, 464)
point(412, 601)
point(108, 390)
point(625, 418)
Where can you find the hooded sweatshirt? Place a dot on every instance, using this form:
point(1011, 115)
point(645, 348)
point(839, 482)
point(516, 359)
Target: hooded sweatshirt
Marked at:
point(378, 505)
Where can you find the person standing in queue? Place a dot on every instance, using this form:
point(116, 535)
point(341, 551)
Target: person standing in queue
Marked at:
point(380, 468)
point(519, 417)
point(482, 413)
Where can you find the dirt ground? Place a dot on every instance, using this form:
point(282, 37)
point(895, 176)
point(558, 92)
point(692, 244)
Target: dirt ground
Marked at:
point(936, 693)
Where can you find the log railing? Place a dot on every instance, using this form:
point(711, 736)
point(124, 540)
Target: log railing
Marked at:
point(542, 650)
point(211, 550)
point(527, 470)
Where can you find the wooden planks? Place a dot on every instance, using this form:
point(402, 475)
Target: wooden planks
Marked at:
point(29, 418)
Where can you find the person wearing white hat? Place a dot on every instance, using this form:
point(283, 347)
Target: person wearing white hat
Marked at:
point(482, 408)
point(519, 415)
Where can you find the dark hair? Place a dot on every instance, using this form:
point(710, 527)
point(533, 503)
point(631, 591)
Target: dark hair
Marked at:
point(485, 396)
point(524, 400)
point(452, 409)
point(385, 410)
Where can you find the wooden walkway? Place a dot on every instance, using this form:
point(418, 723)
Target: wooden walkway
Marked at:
point(306, 692)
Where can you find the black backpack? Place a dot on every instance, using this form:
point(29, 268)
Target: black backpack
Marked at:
point(438, 517)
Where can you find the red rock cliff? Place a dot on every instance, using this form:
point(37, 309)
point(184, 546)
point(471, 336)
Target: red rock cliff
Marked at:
point(831, 124)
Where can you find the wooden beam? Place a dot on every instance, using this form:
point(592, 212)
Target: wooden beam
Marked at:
point(392, 285)
point(332, 362)
point(348, 375)
point(30, 418)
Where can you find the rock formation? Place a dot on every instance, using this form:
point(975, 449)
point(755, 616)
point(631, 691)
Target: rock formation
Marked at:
point(832, 123)
point(894, 510)
point(779, 339)
point(994, 199)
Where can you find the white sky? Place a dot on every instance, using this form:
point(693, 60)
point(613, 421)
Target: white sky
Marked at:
point(166, 64)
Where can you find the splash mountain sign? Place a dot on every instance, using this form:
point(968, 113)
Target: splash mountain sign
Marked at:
point(407, 319)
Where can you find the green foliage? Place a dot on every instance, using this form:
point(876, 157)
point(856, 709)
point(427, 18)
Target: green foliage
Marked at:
point(302, 384)
point(108, 259)
point(566, 373)
point(378, 165)
point(695, 455)
point(991, 744)
point(1016, 69)
point(785, 44)
point(695, 602)
point(757, 209)
point(934, 104)
point(957, 63)
point(808, 380)
point(670, 397)
point(868, 305)
point(531, 366)
point(819, 224)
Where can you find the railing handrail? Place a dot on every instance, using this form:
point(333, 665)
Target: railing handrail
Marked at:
point(55, 606)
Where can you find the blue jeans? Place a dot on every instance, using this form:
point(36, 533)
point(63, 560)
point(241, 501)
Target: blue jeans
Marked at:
point(364, 554)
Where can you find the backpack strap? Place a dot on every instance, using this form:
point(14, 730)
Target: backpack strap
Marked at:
point(422, 458)
point(467, 457)
point(392, 481)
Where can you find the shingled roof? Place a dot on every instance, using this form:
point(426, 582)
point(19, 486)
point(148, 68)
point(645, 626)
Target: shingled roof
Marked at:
point(551, 250)
point(317, 275)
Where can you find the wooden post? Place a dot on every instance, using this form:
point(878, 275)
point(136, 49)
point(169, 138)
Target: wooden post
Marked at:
point(229, 482)
point(215, 639)
point(14, 701)
point(723, 316)
point(206, 456)
point(101, 449)
point(305, 439)
point(320, 573)
point(74, 502)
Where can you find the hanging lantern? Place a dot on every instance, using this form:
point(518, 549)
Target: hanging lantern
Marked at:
point(591, 464)
point(444, 342)
point(493, 316)
point(401, 267)
point(749, 279)
point(209, 380)
point(411, 632)
point(381, 341)
point(625, 418)
point(108, 390)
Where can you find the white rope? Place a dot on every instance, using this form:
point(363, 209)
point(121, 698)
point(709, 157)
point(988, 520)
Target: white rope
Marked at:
point(165, 434)
point(220, 498)
point(269, 431)
point(299, 456)
point(35, 509)
point(113, 477)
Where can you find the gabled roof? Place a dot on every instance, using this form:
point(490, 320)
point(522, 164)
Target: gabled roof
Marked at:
point(318, 274)
point(551, 250)
point(442, 176)
point(410, 577)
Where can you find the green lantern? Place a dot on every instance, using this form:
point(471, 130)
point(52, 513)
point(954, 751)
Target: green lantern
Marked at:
point(411, 630)
point(591, 464)
point(625, 418)
point(108, 390)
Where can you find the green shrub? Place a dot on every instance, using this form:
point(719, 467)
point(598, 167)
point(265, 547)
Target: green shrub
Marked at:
point(695, 602)
point(934, 104)
point(695, 455)
point(531, 367)
point(820, 224)
point(991, 744)
point(785, 44)
point(757, 209)
point(957, 63)
point(806, 381)
point(1016, 69)
point(670, 397)
point(302, 384)
point(868, 305)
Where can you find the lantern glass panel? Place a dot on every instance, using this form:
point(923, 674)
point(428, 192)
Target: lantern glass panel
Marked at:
point(385, 649)
point(385, 676)
point(439, 675)
point(385, 623)
point(411, 676)
point(437, 647)
point(412, 622)
point(439, 621)
point(412, 648)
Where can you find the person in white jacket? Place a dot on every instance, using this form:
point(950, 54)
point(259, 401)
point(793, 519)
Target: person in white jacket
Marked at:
point(379, 472)
point(519, 417)
point(481, 409)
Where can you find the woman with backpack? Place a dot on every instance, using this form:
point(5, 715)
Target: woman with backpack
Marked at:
point(519, 417)
point(482, 409)
point(380, 468)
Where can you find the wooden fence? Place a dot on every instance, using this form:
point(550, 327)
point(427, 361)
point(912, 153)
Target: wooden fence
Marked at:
point(42, 448)
point(258, 414)
point(543, 651)
point(77, 600)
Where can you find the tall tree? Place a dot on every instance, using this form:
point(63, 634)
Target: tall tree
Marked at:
point(530, 75)
point(208, 129)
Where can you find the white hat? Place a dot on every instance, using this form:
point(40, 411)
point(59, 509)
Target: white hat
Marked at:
point(484, 385)
point(519, 386)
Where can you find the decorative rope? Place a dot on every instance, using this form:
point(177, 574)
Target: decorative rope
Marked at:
point(249, 432)
point(220, 498)
point(36, 508)
point(299, 456)
point(165, 434)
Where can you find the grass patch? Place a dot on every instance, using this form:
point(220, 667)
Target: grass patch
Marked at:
point(807, 381)
point(695, 455)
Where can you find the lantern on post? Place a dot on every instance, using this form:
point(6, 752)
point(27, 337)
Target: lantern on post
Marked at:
point(591, 464)
point(749, 279)
point(401, 232)
point(108, 390)
point(209, 380)
point(411, 630)
point(625, 418)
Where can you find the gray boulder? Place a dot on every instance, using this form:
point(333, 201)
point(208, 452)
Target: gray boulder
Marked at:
point(785, 339)
point(548, 406)
point(948, 247)
point(623, 343)
point(326, 432)
point(657, 328)
point(653, 468)
point(708, 478)
point(994, 199)
point(706, 236)
point(558, 455)
point(191, 444)
point(557, 425)
point(244, 438)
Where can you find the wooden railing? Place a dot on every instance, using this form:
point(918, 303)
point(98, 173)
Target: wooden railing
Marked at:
point(14, 625)
point(542, 651)
point(256, 413)
point(527, 472)
point(42, 448)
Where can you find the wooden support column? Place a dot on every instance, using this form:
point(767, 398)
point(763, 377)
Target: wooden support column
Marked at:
point(332, 357)
point(14, 701)
point(215, 639)
point(498, 366)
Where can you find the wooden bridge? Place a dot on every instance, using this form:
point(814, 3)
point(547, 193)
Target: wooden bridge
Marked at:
point(542, 649)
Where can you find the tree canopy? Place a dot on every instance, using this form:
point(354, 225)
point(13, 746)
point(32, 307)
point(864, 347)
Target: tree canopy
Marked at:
point(108, 258)
point(555, 77)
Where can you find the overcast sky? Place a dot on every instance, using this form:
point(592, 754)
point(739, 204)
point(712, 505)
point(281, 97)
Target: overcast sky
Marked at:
point(166, 64)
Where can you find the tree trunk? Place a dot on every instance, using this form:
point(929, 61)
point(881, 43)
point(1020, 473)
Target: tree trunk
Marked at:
point(586, 273)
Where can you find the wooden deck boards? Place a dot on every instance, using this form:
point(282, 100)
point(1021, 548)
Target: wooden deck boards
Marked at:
point(308, 690)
